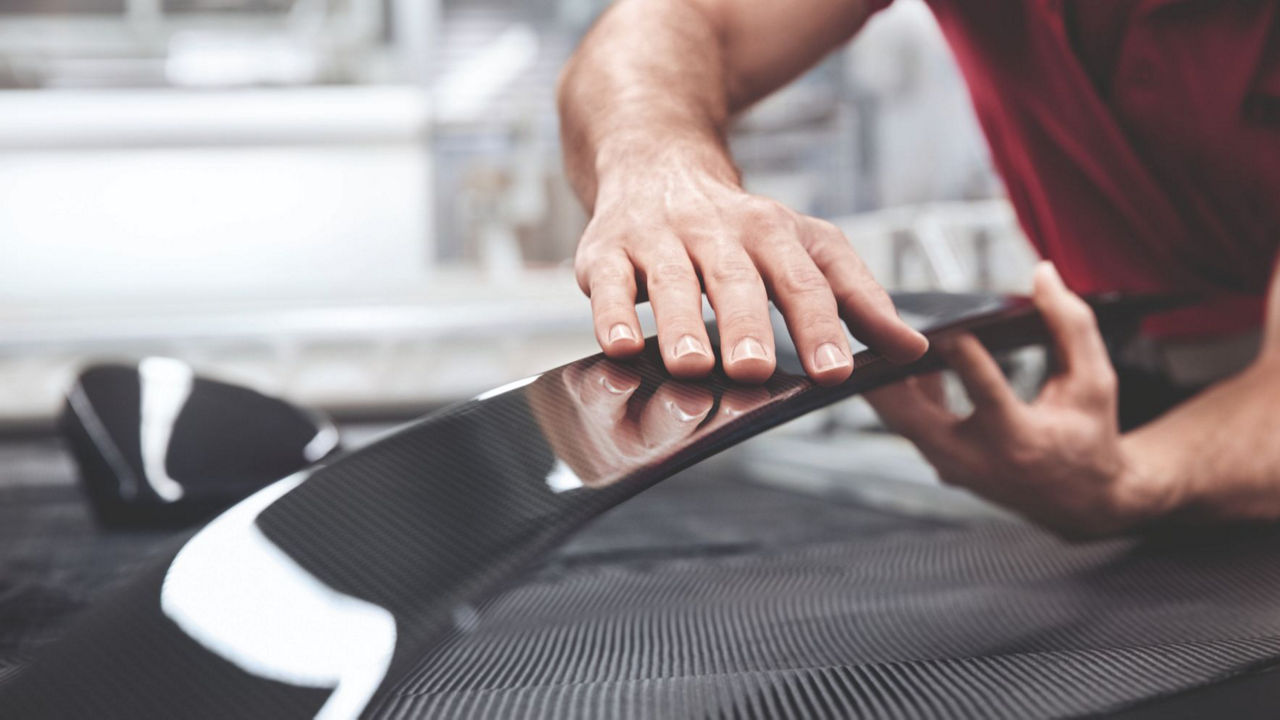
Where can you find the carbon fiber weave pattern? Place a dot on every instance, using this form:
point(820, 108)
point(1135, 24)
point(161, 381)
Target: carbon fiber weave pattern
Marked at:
point(878, 617)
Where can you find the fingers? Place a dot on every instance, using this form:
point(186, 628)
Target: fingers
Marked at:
point(805, 298)
point(676, 297)
point(933, 387)
point(937, 433)
point(865, 305)
point(982, 378)
point(610, 282)
point(742, 249)
point(1078, 345)
point(906, 408)
point(738, 297)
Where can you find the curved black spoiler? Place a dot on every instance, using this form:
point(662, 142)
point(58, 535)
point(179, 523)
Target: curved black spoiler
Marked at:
point(315, 595)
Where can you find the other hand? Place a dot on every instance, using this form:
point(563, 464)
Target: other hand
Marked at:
point(1058, 460)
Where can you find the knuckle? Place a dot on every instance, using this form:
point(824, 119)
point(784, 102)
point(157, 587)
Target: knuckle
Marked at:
point(820, 325)
point(823, 227)
point(735, 271)
point(1021, 449)
point(584, 267)
point(741, 318)
point(766, 217)
point(1079, 315)
point(609, 275)
point(669, 273)
point(825, 232)
point(603, 234)
point(1098, 389)
point(594, 249)
point(824, 252)
point(685, 221)
point(583, 258)
point(684, 213)
point(1108, 383)
point(804, 279)
point(835, 255)
point(1096, 397)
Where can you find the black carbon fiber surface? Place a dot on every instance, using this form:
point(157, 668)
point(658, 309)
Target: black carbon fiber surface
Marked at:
point(882, 617)
point(426, 525)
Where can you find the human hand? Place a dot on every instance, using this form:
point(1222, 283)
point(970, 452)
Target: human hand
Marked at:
point(669, 236)
point(1059, 460)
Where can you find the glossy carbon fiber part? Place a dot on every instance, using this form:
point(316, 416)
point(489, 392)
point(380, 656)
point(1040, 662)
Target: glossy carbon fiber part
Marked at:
point(319, 595)
point(158, 445)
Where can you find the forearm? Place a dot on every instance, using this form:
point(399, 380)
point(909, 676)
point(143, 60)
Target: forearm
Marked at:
point(1216, 456)
point(648, 84)
point(655, 82)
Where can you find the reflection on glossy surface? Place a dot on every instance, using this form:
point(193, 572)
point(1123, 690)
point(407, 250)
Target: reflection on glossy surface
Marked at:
point(515, 385)
point(562, 478)
point(238, 595)
point(422, 523)
point(157, 444)
point(166, 385)
point(618, 421)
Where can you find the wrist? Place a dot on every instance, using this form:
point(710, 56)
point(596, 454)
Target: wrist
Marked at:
point(1149, 485)
point(636, 162)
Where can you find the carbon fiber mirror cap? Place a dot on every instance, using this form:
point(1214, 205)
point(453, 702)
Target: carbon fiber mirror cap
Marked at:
point(157, 444)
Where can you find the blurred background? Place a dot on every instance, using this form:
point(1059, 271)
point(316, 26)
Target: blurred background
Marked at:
point(359, 204)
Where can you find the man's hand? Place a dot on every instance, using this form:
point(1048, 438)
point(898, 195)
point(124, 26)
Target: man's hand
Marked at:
point(644, 106)
point(679, 233)
point(1060, 460)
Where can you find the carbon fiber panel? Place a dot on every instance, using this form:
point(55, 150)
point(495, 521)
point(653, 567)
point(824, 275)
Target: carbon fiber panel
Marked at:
point(996, 621)
point(334, 592)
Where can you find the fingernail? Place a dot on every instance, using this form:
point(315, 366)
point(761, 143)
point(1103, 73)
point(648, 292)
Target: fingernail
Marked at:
point(749, 349)
point(829, 357)
point(621, 331)
point(688, 345)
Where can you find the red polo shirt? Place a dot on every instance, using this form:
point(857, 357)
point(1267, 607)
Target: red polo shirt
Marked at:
point(1139, 140)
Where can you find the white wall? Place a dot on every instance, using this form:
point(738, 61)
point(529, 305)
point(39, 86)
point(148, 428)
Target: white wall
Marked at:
point(165, 200)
